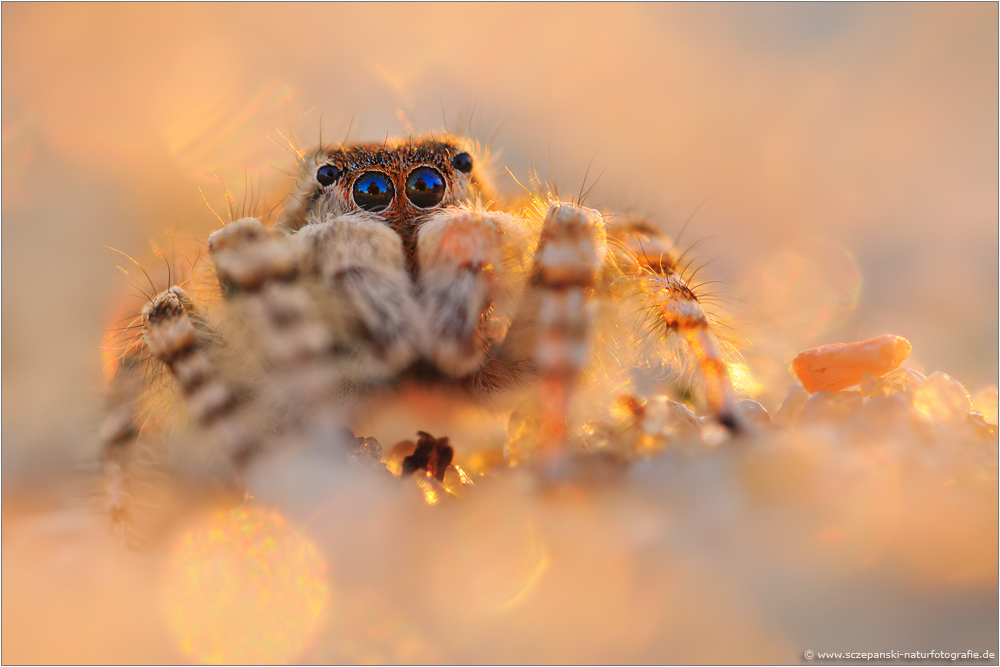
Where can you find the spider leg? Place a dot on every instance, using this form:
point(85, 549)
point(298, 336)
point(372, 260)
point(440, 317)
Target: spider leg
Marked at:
point(471, 267)
point(259, 278)
point(174, 335)
point(119, 429)
point(555, 319)
point(571, 251)
point(676, 309)
point(366, 298)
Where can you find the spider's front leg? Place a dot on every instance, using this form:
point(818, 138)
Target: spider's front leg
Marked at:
point(260, 279)
point(120, 428)
point(471, 273)
point(357, 266)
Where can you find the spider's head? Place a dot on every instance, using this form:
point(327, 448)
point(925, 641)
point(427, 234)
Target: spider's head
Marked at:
point(399, 181)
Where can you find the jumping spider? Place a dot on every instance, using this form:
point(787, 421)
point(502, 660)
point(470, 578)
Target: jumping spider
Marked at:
point(391, 263)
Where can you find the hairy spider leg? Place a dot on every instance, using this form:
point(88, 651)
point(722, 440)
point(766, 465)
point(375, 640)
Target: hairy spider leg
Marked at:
point(120, 428)
point(174, 335)
point(471, 273)
point(259, 276)
point(357, 265)
point(676, 309)
point(571, 253)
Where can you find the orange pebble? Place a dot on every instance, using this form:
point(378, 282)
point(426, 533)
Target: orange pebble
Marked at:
point(841, 365)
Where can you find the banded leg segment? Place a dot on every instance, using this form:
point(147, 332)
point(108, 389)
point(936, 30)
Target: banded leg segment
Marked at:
point(571, 252)
point(366, 292)
point(471, 266)
point(259, 277)
point(120, 429)
point(676, 309)
point(175, 337)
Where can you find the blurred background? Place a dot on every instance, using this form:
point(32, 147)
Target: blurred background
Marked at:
point(837, 162)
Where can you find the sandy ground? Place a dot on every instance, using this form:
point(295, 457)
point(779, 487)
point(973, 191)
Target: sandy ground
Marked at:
point(839, 166)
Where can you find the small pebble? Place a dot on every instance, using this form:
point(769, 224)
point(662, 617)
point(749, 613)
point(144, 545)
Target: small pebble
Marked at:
point(714, 434)
point(483, 461)
point(430, 488)
point(366, 453)
point(682, 424)
point(657, 414)
point(628, 410)
point(651, 443)
point(523, 430)
point(456, 480)
point(901, 381)
point(791, 407)
point(940, 398)
point(886, 411)
point(754, 412)
point(843, 365)
point(870, 384)
point(982, 427)
point(985, 403)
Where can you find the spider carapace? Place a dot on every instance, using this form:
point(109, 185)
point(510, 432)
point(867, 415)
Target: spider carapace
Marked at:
point(396, 260)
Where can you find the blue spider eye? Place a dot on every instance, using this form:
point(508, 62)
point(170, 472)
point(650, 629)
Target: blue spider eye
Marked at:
point(425, 187)
point(327, 174)
point(373, 191)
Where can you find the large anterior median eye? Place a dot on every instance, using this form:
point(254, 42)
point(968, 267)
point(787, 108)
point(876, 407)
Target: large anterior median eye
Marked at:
point(425, 187)
point(373, 191)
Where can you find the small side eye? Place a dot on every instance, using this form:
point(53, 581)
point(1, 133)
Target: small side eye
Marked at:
point(327, 174)
point(462, 162)
point(373, 191)
point(425, 187)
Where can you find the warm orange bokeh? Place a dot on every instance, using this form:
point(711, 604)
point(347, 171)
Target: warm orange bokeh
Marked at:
point(245, 587)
